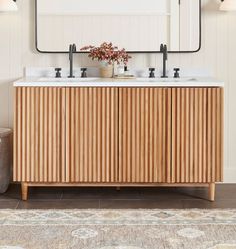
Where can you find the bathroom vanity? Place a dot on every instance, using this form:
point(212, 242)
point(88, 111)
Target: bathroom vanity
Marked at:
point(114, 133)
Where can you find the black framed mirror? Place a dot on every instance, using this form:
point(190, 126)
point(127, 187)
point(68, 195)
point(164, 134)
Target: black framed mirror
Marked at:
point(138, 26)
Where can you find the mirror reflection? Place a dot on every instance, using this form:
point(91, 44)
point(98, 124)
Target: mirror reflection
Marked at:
point(138, 26)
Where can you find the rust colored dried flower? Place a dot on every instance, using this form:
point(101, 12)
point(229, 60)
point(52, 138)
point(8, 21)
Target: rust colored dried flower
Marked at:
point(107, 52)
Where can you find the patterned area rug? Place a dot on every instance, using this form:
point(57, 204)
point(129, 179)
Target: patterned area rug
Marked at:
point(118, 229)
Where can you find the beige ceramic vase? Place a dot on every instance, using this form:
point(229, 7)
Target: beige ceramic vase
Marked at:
point(106, 70)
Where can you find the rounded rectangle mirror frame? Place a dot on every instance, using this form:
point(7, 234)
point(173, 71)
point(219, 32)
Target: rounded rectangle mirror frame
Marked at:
point(131, 52)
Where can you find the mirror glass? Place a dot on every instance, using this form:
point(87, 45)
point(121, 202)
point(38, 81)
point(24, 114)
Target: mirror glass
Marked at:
point(136, 25)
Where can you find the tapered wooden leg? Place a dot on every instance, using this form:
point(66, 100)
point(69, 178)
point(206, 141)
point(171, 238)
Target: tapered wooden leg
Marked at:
point(24, 191)
point(212, 189)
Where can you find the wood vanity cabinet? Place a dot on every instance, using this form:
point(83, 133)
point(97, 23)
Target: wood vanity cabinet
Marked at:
point(39, 134)
point(144, 135)
point(110, 136)
point(91, 136)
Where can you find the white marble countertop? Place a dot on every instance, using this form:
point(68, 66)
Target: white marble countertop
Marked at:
point(101, 82)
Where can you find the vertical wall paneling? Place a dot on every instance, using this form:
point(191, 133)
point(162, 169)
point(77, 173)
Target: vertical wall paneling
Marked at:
point(218, 31)
point(174, 25)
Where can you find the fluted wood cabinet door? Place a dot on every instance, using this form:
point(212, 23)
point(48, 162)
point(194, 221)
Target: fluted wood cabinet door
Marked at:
point(144, 135)
point(91, 135)
point(118, 135)
point(39, 150)
point(197, 135)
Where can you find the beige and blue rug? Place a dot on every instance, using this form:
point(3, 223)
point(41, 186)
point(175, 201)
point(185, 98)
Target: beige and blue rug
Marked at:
point(118, 229)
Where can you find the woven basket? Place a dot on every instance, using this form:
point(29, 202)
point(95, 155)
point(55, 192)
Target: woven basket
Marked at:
point(5, 159)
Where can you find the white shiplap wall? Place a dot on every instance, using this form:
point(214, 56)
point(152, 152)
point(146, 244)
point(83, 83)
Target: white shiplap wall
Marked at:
point(218, 55)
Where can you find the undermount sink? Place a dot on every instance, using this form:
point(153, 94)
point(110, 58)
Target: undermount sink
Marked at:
point(67, 79)
point(166, 79)
point(99, 80)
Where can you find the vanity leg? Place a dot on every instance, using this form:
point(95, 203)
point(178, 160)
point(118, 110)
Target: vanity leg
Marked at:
point(24, 191)
point(212, 189)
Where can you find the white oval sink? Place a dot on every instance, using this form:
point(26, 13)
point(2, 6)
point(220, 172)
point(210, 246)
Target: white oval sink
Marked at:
point(68, 80)
point(166, 79)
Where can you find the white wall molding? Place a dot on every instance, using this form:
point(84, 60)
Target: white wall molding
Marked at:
point(230, 174)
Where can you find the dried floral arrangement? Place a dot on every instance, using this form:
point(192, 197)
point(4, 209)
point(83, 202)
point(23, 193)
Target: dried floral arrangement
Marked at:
point(108, 53)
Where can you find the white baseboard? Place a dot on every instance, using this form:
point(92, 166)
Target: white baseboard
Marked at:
point(230, 175)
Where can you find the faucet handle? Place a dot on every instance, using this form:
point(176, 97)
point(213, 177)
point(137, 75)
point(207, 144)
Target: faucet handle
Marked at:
point(74, 48)
point(152, 72)
point(176, 75)
point(84, 72)
point(161, 47)
point(58, 72)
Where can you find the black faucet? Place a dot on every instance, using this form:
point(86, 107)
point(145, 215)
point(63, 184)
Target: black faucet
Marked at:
point(164, 51)
point(152, 72)
point(84, 72)
point(72, 50)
